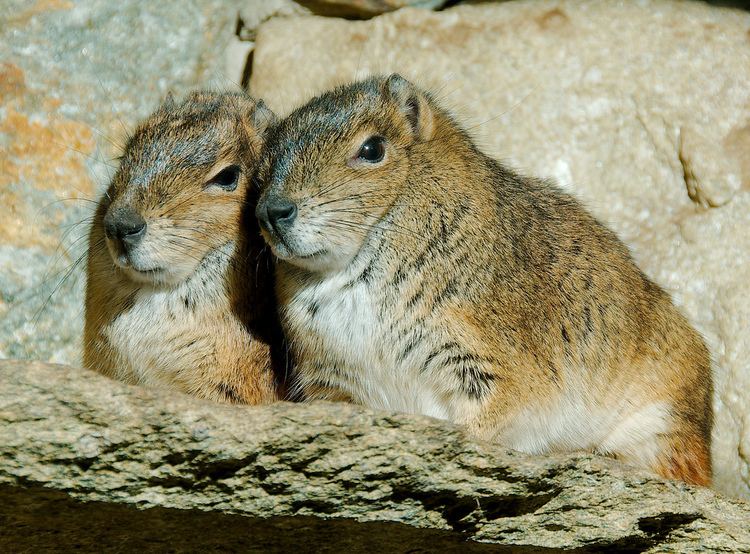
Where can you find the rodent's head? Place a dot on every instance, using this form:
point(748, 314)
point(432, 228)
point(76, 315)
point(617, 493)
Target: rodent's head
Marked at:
point(333, 168)
point(178, 192)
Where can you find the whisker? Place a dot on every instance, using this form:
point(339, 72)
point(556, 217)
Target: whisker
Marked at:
point(71, 270)
point(111, 102)
point(390, 226)
point(364, 194)
point(82, 153)
point(70, 199)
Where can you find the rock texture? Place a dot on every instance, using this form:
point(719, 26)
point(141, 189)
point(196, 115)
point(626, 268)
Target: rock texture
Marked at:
point(73, 78)
point(78, 432)
point(641, 109)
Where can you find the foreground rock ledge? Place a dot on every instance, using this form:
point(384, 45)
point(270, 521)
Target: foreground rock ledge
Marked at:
point(75, 431)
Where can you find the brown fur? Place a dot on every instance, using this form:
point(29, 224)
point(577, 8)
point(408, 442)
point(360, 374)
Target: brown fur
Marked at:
point(205, 325)
point(439, 281)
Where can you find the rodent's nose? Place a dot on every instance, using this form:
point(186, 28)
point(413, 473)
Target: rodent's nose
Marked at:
point(125, 225)
point(281, 210)
point(276, 212)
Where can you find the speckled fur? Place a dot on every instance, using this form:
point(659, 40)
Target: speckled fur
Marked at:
point(206, 324)
point(440, 282)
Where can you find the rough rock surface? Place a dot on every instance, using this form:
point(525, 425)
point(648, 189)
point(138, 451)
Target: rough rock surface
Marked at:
point(73, 77)
point(96, 439)
point(252, 13)
point(642, 109)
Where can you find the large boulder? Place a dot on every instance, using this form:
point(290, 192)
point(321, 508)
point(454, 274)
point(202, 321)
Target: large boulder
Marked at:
point(98, 440)
point(641, 109)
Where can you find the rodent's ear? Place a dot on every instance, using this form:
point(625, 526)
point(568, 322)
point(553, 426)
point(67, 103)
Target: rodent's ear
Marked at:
point(413, 104)
point(262, 117)
point(169, 101)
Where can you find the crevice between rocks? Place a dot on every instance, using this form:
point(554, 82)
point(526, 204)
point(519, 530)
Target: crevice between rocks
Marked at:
point(37, 519)
point(467, 513)
point(656, 531)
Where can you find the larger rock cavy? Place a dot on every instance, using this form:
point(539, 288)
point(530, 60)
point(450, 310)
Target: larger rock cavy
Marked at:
point(418, 274)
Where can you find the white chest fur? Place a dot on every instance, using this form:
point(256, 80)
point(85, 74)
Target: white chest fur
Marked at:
point(165, 334)
point(344, 340)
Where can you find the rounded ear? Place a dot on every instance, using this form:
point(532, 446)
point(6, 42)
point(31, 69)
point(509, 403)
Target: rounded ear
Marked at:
point(413, 103)
point(169, 101)
point(262, 117)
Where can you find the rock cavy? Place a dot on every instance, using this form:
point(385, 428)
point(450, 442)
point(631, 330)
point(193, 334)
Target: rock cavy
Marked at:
point(417, 274)
point(179, 286)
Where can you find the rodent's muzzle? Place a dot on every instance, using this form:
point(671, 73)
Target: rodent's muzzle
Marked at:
point(124, 226)
point(276, 214)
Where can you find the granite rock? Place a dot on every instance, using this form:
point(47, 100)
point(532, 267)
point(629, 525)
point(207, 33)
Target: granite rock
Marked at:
point(73, 78)
point(641, 109)
point(98, 440)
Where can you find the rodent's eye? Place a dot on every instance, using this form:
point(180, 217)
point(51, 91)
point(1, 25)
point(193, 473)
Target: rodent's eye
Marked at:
point(226, 178)
point(372, 150)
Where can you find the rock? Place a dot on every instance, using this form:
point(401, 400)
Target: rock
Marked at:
point(78, 432)
point(254, 12)
point(641, 109)
point(73, 78)
point(362, 9)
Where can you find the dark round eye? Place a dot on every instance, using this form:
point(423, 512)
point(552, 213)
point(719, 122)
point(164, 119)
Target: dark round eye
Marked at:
point(226, 178)
point(372, 150)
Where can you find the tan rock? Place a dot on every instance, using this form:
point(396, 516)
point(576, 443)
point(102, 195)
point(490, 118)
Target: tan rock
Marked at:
point(254, 12)
point(72, 430)
point(642, 109)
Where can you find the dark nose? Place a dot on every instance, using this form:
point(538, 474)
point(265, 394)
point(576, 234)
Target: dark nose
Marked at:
point(126, 226)
point(276, 213)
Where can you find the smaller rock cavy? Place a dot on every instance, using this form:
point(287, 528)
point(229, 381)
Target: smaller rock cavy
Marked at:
point(180, 290)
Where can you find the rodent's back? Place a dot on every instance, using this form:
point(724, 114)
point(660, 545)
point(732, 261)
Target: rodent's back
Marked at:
point(581, 310)
point(534, 263)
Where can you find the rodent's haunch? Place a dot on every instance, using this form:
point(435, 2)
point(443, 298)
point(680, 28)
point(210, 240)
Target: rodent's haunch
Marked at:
point(417, 274)
point(180, 291)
